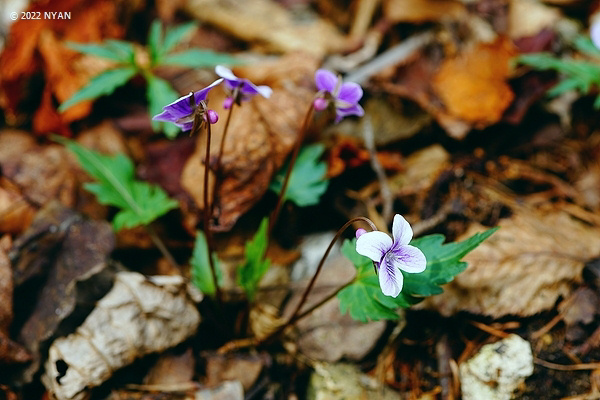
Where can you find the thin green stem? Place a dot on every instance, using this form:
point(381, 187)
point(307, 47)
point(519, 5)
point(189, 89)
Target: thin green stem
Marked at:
point(294, 316)
point(288, 173)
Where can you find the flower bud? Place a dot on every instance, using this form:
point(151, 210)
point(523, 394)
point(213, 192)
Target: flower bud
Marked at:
point(360, 232)
point(320, 104)
point(211, 116)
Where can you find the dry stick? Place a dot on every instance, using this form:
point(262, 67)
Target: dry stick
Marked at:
point(299, 140)
point(294, 316)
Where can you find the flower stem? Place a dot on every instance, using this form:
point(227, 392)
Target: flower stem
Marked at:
point(294, 316)
point(288, 173)
point(207, 215)
point(160, 245)
point(222, 145)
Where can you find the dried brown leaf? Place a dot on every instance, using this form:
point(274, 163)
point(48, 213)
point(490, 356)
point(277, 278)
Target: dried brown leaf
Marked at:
point(267, 23)
point(523, 268)
point(138, 316)
point(235, 367)
point(417, 11)
point(261, 134)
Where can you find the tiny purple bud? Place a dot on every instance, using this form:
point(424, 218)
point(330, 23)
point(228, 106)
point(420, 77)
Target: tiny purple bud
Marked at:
point(212, 116)
point(360, 232)
point(228, 103)
point(320, 104)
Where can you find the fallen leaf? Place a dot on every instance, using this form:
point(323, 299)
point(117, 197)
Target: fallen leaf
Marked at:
point(581, 306)
point(473, 85)
point(172, 369)
point(280, 31)
point(152, 314)
point(10, 351)
point(523, 268)
point(418, 11)
point(261, 134)
point(529, 17)
point(235, 367)
point(70, 253)
point(38, 45)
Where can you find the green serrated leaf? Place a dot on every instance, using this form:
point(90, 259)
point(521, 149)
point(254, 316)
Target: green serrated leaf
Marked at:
point(585, 45)
point(176, 34)
point(155, 41)
point(255, 265)
point(201, 275)
point(139, 202)
point(160, 93)
point(195, 58)
point(307, 182)
point(100, 85)
point(117, 50)
point(443, 262)
point(364, 300)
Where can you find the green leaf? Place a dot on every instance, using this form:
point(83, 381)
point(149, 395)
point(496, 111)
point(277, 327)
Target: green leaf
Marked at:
point(117, 50)
point(140, 202)
point(363, 298)
point(100, 85)
point(155, 41)
point(443, 262)
point(585, 45)
point(160, 93)
point(597, 103)
point(176, 34)
point(307, 182)
point(255, 265)
point(201, 275)
point(195, 58)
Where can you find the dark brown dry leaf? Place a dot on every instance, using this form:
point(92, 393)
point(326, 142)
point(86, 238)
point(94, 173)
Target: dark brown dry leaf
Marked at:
point(10, 352)
point(417, 11)
point(15, 212)
point(523, 268)
point(138, 316)
point(266, 23)
point(261, 134)
point(71, 253)
point(235, 367)
point(172, 369)
point(581, 307)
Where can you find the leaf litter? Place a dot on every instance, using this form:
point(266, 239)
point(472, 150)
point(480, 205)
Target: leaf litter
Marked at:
point(462, 79)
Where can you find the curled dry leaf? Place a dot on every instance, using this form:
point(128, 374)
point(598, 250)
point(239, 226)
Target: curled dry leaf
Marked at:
point(417, 11)
point(261, 134)
point(523, 268)
point(70, 253)
point(267, 23)
point(138, 316)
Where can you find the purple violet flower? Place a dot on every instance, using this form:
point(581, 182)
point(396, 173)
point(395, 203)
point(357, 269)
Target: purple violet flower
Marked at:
point(182, 111)
point(343, 96)
point(595, 32)
point(239, 89)
point(392, 256)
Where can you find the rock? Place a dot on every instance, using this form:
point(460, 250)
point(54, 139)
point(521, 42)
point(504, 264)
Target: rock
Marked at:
point(497, 370)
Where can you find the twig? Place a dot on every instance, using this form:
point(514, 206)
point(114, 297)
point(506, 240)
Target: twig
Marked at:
point(160, 245)
point(386, 193)
point(562, 367)
point(393, 56)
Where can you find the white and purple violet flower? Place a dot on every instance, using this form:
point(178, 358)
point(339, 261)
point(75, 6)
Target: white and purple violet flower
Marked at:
point(595, 31)
point(391, 257)
point(182, 111)
point(239, 89)
point(344, 96)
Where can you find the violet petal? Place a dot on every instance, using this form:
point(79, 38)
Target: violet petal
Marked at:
point(373, 245)
point(401, 230)
point(390, 279)
point(326, 80)
point(410, 259)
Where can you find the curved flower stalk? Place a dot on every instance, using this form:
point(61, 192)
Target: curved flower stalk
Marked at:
point(239, 89)
point(184, 110)
point(343, 96)
point(391, 257)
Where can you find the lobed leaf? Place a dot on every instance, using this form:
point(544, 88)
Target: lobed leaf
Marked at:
point(155, 41)
point(196, 58)
point(307, 181)
point(100, 85)
point(111, 49)
point(139, 202)
point(255, 265)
